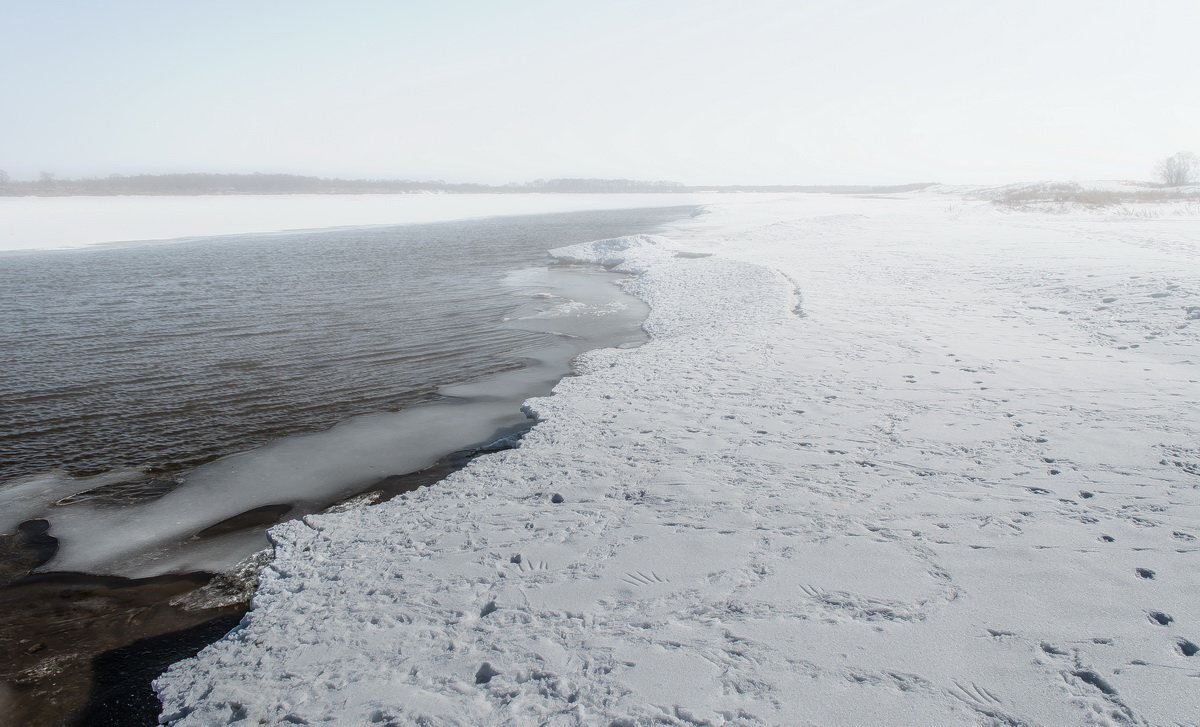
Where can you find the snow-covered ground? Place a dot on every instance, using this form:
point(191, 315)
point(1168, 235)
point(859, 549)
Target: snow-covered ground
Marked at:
point(886, 461)
point(28, 223)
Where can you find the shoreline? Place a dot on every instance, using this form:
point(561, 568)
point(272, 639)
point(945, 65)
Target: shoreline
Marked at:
point(214, 597)
point(311, 470)
point(200, 607)
point(176, 615)
point(953, 476)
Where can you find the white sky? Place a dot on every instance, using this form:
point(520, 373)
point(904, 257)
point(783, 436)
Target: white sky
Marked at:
point(702, 91)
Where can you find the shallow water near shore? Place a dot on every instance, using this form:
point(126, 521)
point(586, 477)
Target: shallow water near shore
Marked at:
point(166, 403)
point(135, 374)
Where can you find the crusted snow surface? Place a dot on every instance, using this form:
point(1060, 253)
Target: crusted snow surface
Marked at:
point(955, 484)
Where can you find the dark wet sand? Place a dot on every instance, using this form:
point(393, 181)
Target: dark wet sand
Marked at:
point(78, 649)
point(53, 625)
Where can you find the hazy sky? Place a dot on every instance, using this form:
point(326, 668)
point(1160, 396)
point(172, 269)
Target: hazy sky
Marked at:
point(699, 91)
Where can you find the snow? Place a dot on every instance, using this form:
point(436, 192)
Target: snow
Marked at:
point(28, 223)
point(957, 482)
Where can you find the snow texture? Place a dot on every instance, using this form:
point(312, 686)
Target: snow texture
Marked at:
point(955, 484)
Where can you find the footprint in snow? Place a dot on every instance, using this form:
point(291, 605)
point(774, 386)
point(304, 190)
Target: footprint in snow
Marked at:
point(1090, 677)
point(1160, 618)
point(1053, 650)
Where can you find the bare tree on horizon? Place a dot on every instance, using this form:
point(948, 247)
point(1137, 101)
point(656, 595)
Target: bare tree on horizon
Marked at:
point(1178, 169)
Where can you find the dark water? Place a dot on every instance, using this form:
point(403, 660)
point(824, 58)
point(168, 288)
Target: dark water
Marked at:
point(166, 356)
point(132, 377)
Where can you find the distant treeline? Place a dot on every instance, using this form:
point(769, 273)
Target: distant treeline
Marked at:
point(153, 184)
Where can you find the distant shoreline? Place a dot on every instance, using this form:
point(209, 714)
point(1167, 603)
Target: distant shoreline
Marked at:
point(56, 223)
point(271, 184)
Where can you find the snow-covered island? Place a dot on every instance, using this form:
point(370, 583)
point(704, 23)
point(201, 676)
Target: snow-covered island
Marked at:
point(907, 460)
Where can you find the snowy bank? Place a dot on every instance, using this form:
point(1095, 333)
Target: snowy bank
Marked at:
point(957, 483)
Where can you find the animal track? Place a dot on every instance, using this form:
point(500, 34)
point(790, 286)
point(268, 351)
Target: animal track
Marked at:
point(811, 591)
point(1186, 459)
point(985, 703)
point(525, 565)
point(1186, 647)
point(1144, 573)
point(638, 578)
point(973, 693)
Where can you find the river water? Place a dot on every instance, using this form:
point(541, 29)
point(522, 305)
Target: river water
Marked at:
point(149, 392)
